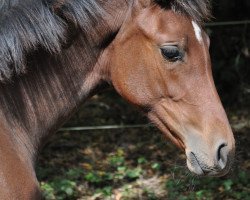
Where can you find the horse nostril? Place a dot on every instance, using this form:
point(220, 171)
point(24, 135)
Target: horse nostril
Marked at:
point(222, 155)
point(219, 151)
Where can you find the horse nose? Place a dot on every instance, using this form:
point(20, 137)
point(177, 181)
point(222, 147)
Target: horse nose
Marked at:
point(222, 154)
point(216, 163)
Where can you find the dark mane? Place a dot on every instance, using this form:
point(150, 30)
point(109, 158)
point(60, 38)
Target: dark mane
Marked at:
point(27, 25)
point(198, 10)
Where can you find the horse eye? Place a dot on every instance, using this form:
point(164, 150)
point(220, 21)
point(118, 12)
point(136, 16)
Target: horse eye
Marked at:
point(171, 53)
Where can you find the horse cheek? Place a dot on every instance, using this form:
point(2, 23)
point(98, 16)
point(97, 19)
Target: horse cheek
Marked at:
point(135, 79)
point(136, 83)
point(128, 85)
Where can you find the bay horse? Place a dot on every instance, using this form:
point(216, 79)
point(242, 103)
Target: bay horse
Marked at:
point(54, 54)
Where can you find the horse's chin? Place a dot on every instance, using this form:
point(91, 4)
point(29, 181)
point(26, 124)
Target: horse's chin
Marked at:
point(198, 171)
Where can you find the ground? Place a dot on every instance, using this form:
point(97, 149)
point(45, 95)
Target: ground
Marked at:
point(136, 163)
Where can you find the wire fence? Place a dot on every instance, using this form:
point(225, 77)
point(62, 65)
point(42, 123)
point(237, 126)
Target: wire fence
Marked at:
point(236, 127)
point(228, 23)
point(107, 127)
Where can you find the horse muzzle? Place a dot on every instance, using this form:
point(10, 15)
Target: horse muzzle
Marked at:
point(215, 163)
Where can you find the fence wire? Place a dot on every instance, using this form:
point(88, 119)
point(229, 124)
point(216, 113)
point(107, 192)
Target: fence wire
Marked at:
point(235, 127)
point(107, 127)
point(228, 23)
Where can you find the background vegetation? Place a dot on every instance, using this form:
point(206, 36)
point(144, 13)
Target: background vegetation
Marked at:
point(138, 163)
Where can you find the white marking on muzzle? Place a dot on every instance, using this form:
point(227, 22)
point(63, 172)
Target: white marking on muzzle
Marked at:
point(197, 31)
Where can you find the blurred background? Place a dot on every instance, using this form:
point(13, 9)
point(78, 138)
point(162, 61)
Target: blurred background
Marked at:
point(137, 163)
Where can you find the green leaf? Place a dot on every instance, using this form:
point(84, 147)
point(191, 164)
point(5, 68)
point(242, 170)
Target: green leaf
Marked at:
point(92, 177)
point(141, 160)
point(74, 173)
point(156, 166)
point(107, 191)
point(228, 184)
point(134, 173)
point(116, 160)
point(48, 191)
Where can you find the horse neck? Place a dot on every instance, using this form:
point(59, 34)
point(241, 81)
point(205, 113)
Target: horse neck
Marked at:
point(38, 102)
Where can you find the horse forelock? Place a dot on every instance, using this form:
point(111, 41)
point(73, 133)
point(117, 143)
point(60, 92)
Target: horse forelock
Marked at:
point(27, 25)
point(198, 10)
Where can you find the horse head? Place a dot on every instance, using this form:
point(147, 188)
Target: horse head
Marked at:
point(160, 62)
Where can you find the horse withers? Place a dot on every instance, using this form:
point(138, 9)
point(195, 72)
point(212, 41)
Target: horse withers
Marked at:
point(57, 53)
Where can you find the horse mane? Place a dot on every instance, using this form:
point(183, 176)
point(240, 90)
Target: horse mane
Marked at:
point(27, 25)
point(32, 24)
point(198, 10)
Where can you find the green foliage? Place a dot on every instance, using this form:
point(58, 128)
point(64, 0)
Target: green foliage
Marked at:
point(106, 191)
point(208, 188)
point(66, 188)
point(48, 191)
point(117, 159)
point(156, 166)
point(142, 160)
point(93, 177)
point(120, 172)
point(59, 189)
point(150, 194)
point(75, 173)
point(228, 184)
point(134, 173)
